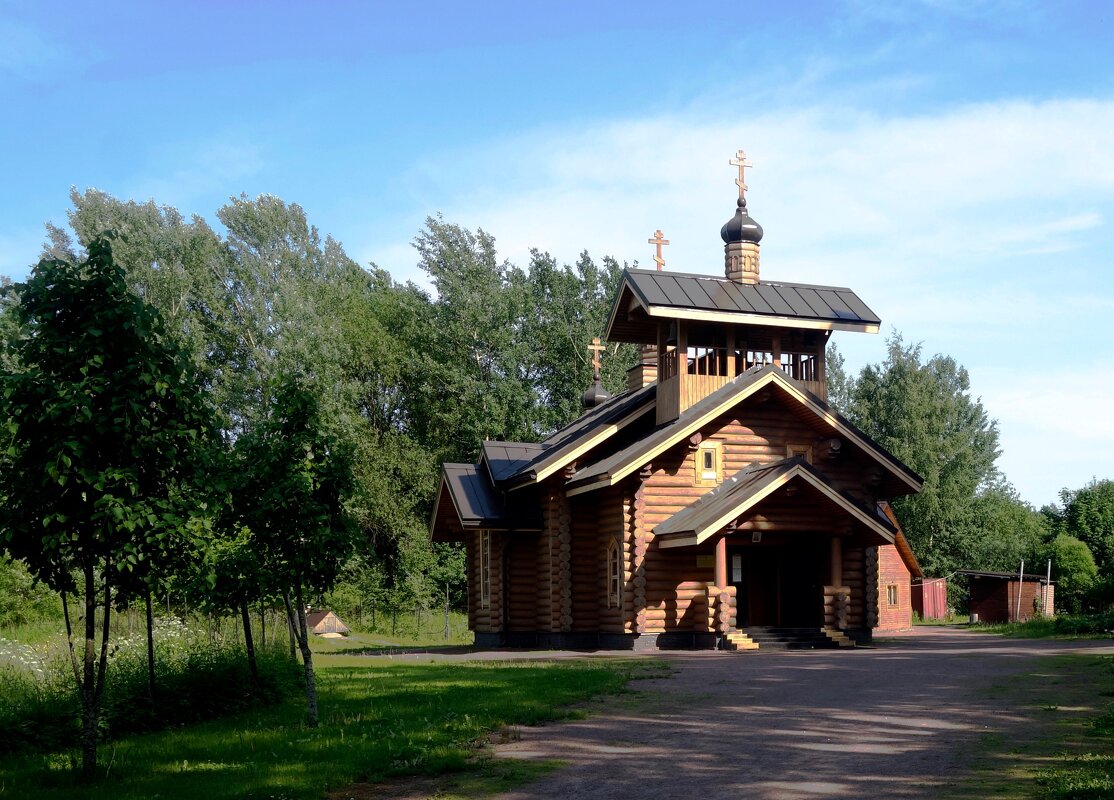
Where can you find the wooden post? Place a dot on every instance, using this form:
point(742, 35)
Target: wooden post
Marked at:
point(837, 561)
point(730, 353)
point(721, 563)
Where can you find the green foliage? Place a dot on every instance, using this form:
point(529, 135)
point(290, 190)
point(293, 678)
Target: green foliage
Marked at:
point(1088, 515)
point(1074, 571)
point(295, 479)
point(22, 598)
point(104, 417)
point(198, 679)
point(382, 719)
point(922, 412)
point(406, 380)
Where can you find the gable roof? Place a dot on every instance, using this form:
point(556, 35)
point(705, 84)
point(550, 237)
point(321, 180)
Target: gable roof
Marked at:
point(476, 502)
point(902, 544)
point(745, 489)
point(582, 434)
point(504, 459)
point(610, 470)
point(676, 295)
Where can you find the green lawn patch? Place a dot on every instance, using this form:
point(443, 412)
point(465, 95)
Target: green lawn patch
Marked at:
point(378, 719)
point(1065, 751)
point(1070, 626)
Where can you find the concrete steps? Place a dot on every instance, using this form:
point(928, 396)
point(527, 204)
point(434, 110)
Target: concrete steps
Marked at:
point(782, 638)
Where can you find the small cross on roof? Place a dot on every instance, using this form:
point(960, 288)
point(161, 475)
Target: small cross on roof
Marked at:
point(596, 348)
point(659, 241)
point(740, 161)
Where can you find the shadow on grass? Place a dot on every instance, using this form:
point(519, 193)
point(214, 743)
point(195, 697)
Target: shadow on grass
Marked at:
point(377, 720)
point(1065, 751)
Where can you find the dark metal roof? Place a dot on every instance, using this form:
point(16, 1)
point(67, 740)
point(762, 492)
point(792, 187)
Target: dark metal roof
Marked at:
point(504, 459)
point(567, 439)
point(974, 573)
point(677, 294)
point(479, 505)
point(637, 451)
point(735, 491)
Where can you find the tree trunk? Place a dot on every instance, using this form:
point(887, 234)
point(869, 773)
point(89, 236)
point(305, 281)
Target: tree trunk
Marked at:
point(150, 646)
point(290, 624)
point(262, 627)
point(88, 681)
point(248, 643)
point(446, 612)
point(307, 655)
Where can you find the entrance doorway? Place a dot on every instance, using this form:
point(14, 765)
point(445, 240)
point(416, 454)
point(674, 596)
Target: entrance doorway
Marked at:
point(778, 585)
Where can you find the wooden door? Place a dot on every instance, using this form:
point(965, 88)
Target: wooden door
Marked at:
point(754, 573)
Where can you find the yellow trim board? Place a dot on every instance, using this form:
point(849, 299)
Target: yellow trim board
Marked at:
point(602, 434)
point(702, 535)
point(742, 317)
point(786, 383)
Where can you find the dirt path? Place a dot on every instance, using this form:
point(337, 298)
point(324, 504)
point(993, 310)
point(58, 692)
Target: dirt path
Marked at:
point(893, 721)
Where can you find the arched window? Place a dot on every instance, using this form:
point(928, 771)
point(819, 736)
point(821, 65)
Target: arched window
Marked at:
point(614, 574)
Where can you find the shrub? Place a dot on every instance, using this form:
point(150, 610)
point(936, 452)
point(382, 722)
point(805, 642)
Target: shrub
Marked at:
point(196, 679)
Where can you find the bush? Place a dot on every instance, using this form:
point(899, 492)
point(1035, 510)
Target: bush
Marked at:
point(195, 680)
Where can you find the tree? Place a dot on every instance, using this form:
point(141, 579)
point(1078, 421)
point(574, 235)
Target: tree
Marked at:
point(923, 413)
point(297, 477)
point(1088, 515)
point(839, 383)
point(1074, 570)
point(102, 415)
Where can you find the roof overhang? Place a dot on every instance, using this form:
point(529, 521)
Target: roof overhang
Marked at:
point(454, 513)
point(634, 313)
point(719, 514)
point(732, 395)
point(672, 312)
point(558, 458)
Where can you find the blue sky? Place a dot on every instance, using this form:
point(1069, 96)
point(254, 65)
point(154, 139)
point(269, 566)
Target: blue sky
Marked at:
point(952, 161)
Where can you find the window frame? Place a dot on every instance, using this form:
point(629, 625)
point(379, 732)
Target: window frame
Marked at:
point(701, 475)
point(792, 450)
point(485, 568)
point(893, 596)
point(614, 574)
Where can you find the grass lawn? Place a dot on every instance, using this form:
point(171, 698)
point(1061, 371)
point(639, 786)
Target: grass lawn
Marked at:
point(378, 719)
point(1066, 752)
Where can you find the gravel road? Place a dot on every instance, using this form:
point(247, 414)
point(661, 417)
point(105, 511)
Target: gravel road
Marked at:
point(889, 721)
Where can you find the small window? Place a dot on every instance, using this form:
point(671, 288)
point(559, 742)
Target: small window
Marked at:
point(708, 464)
point(891, 594)
point(485, 569)
point(614, 574)
point(799, 450)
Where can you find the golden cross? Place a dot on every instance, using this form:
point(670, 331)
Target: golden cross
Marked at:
point(596, 347)
point(740, 161)
point(657, 240)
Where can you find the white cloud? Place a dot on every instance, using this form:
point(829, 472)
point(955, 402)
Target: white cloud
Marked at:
point(979, 229)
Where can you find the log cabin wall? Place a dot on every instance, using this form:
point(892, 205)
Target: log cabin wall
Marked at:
point(588, 526)
point(854, 577)
point(485, 620)
point(470, 561)
point(522, 577)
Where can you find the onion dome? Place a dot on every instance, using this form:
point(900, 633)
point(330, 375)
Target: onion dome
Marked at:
point(741, 228)
point(595, 396)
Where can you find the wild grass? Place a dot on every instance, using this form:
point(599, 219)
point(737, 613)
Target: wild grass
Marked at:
point(1064, 749)
point(378, 719)
point(196, 678)
point(1070, 626)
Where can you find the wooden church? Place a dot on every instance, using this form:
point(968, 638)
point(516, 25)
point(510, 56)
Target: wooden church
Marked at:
point(718, 502)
